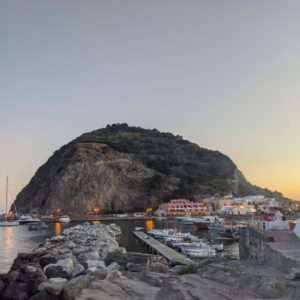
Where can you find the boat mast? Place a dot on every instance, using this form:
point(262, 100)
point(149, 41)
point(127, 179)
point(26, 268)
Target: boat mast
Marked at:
point(6, 198)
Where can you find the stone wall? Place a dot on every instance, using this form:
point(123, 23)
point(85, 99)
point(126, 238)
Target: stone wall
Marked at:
point(260, 247)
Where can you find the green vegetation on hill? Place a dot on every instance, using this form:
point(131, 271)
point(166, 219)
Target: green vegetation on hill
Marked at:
point(197, 169)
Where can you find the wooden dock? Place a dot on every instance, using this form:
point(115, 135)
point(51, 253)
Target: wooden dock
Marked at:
point(161, 249)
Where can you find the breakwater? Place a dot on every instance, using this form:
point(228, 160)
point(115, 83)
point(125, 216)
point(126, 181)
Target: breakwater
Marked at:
point(63, 265)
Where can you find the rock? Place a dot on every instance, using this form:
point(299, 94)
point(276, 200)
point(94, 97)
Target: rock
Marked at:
point(58, 238)
point(52, 271)
point(159, 267)
point(67, 265)
point(271, 288)
point(68, 244)
point(40, 251)
point(64, 250)
point(15, 291)
point(89, 256)
point(14, 275)
point(43, 296)
point(78, 270)
point(113, 267)
point(132, 267)
point(295, 272)
point(100, 273)
point(2, 286)
point(95, 263)
point(31, 269)
point(46, 260)
point(113, 275)
point(54, 288)
point(73, 288)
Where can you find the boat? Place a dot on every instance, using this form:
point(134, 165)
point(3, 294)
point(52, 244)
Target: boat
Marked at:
point(236, 235)
point(165, 233)
point(197, 245)
point(64, 219)
point(202, 223)
point(8, 221)
point(215, 226)
point(199, 253)
point(189, 220)
point(139, 228)
point(26, 219)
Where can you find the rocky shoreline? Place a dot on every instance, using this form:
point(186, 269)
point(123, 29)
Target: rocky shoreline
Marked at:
point(86, 262)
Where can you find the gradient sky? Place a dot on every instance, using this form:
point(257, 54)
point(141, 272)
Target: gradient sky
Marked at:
point(223, 74)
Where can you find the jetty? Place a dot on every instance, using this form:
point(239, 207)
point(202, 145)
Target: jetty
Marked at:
point(163, 250)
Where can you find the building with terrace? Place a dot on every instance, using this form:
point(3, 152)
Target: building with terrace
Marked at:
point(178, 207)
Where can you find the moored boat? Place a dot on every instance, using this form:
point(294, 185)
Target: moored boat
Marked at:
point(202, 223)
point(26, 219)
point(199, 253)
point(236, 235)
point(64, 219)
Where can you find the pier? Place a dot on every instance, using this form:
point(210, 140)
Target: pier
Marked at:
point(163, 250)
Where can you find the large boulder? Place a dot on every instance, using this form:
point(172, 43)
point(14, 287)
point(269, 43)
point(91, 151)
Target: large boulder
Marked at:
point(54, 271)
point(73, 288)
point(67, 265)
point(16, 291)
point(47, 260)
point(53, 287)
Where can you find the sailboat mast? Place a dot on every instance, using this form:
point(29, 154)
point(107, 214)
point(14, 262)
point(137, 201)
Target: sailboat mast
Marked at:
point(6, 197)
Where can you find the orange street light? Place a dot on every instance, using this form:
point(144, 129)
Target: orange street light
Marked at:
point(58, 210)
point(96, 210)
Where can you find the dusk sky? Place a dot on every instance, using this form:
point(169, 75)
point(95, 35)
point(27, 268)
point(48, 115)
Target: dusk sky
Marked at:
point(223, 74)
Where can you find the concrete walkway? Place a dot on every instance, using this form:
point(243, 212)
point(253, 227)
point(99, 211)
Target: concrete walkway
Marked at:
point(285, 242)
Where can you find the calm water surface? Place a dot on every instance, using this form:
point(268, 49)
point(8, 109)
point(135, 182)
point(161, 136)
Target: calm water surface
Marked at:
point(20, 239)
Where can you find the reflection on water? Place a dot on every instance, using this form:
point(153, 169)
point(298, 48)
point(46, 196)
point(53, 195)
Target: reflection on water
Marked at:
point(149, 224)
point(8, 232)
point(96, 222)
point(57, 228)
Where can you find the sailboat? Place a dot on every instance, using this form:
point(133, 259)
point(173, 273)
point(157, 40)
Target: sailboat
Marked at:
point(8, 222)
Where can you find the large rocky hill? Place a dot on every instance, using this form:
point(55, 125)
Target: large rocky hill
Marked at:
point(121, 169)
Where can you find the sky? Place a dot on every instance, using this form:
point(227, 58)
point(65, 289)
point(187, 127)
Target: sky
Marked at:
point(223, 74)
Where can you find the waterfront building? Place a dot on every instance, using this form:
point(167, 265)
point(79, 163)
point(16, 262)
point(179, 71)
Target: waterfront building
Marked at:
point(177, 207)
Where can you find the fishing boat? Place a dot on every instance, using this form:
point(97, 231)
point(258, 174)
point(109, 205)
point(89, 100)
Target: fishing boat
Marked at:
point(8, 221)
point(64, 219)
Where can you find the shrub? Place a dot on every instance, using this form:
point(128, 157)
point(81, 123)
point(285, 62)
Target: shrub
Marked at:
point(190, 269)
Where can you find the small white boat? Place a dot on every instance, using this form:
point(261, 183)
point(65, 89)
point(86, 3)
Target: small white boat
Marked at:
point(138, 228)
point(167, 233)
point(64, 219)
point(199, 253)
point(25, 220)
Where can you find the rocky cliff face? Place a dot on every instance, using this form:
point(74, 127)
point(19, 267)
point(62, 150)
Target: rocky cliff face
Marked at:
point(121, 168)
